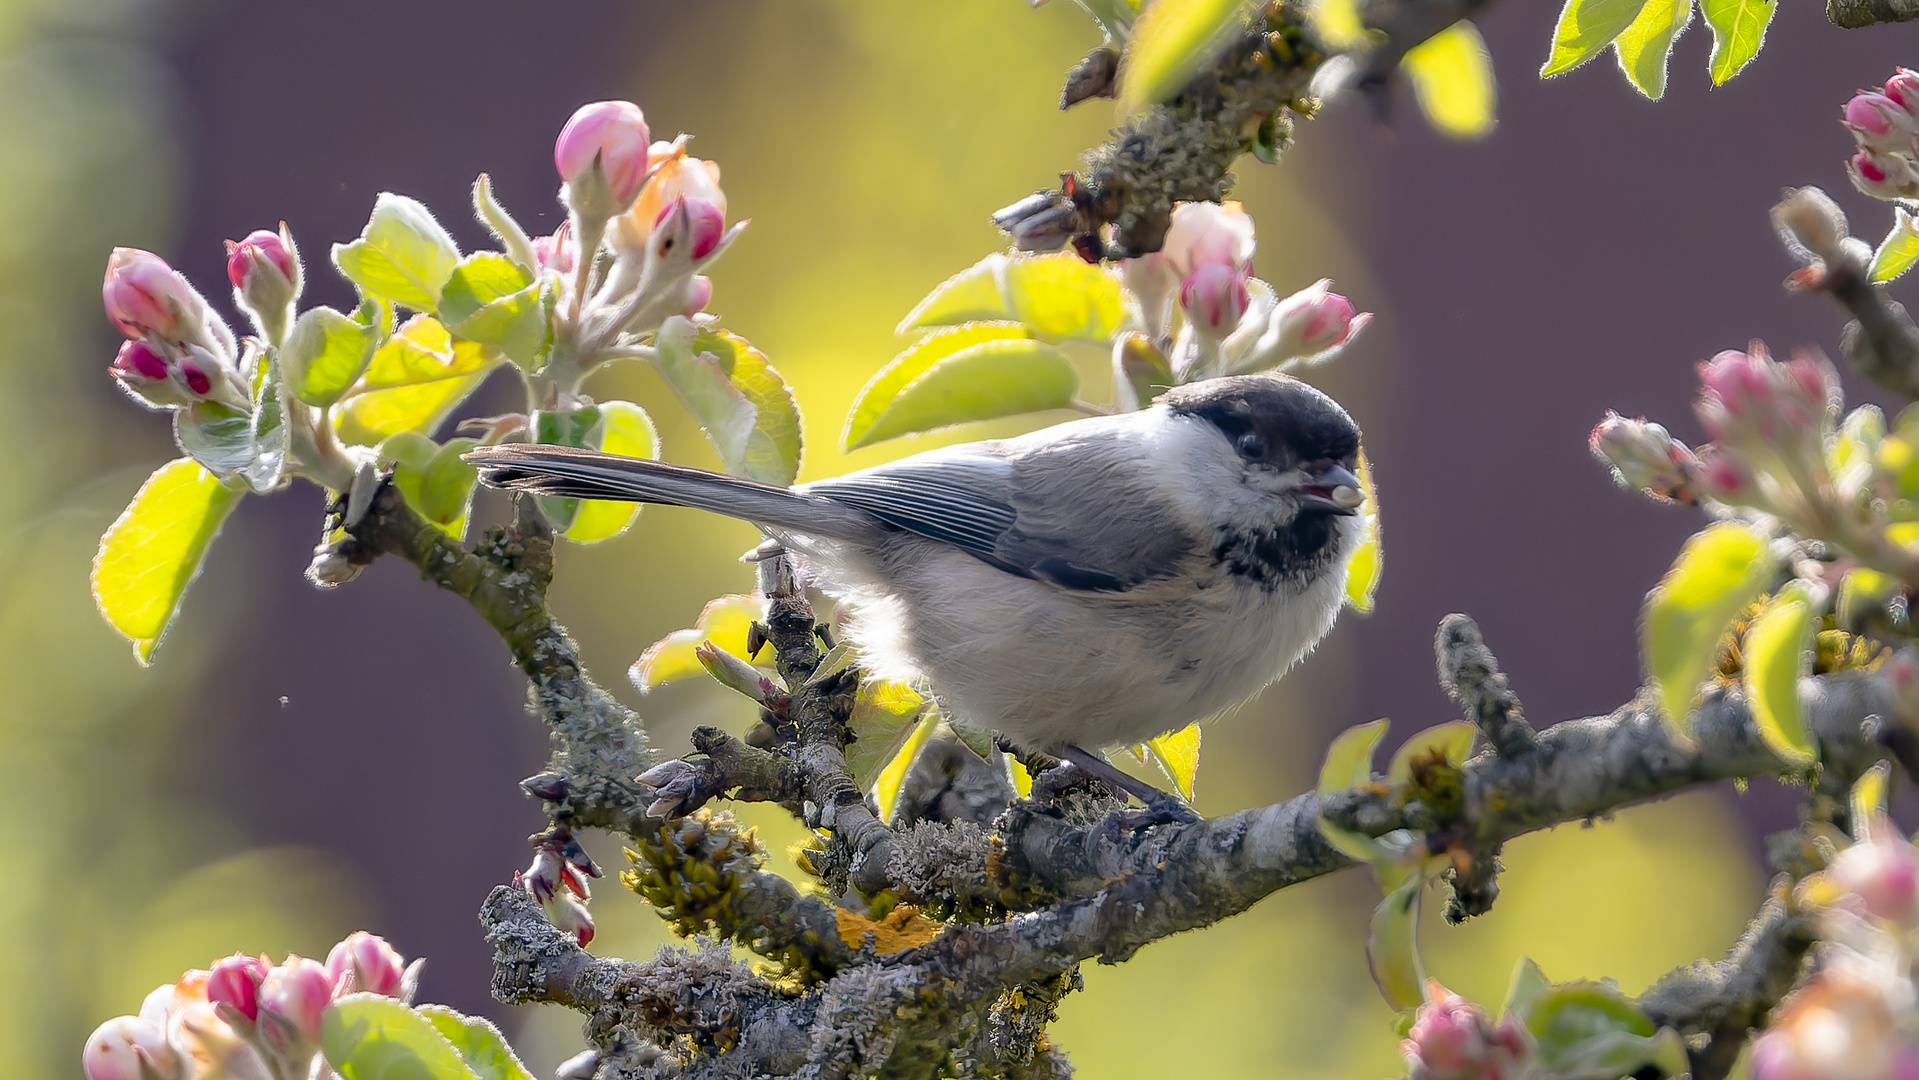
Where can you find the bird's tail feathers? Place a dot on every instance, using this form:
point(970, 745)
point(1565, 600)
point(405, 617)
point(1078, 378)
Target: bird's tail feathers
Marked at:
point(575, 473)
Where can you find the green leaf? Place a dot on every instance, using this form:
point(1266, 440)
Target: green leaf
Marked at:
point(217, 436)
point(976, 372)
point(1590, 1031)
point(403, 255)
point(1777, 652)
point(1738, 29)
point(325, 353)
point(892, 778)
point(154, 551)
point(723, 621)
point(1862, 592)
point(1869, 798)
point(1645, 47)
point(1392, 945)
point(268, 432)
point(1721, 569)
point(1898, 251)
point(624, 429)
point(571, 427)
point(1363, 569)
point(1585, 27)
point(772, 453)
point(492, 300)
point(1451, 742)
point(413, 382)
point(1348, 764)
point(884, 714)
point(1528, 984)
point(1452, 75)
point(374, 1037)
point(1177, 754)
point(1063, 296)
point(434, 480)
point(479, 1043)
point(1056, 296)
point(501, 224)
point(1170, 42)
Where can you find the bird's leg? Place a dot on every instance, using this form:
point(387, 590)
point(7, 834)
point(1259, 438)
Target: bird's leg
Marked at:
point(1162, 807)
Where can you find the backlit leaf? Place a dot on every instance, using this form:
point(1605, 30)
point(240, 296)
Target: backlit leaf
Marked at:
point(892, 778)
point(1898, 251)
point(1363, 569)
point(1392, 945)
point(1348, 764)
point(976, 372)
point(884, 714)
point(494, 301)
point(154, 550)
point(1172, 41)
point(1063, 296)
point(479, 1043)
point(325, 353)
point(724, 622)
point(1777, 652)
point(1338, 23)
point(773, 444)
point(1721, 569)
point(973, 294)
point(1645, 47)
point(1449, 742)
point(1177, 754)
point(1868, 798)
point(1738, 29)
point(433, 479)
point(403, 255)
point(1528, 984)
point(1452, 76)
point(374, 1037)
point(700, 366)
point(1585, 27)
point(624, 429)
point(414, 381)
point(217, 436)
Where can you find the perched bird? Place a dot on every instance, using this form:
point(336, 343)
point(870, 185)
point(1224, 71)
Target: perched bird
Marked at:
point(1092, 584)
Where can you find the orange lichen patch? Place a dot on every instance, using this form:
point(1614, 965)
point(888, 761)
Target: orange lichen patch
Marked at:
point(898, 930)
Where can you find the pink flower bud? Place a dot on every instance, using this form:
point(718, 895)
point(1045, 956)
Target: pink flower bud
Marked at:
point(1453, 1039)
point(698, 294)
point(145, 297)
point(695, 223)
point(291, 999)
point(137, 361)
point(1883, 873)
point(1903, 88)
point(570, 917)
point(375, 967)
point(541, 879)
point(1724, 477)
point(1643, 456)
point(261, 249)
point(1311, 323)
point(235, 982)
point(1206, 232)
point(556, 252)
point(1840, 1024)
point(609, 137)
point(1747, 398)
point(1214, 298)
point(129, 1048)
point(197, 380)
point(1883, 175)
point(1880, 123)
point(677, 177)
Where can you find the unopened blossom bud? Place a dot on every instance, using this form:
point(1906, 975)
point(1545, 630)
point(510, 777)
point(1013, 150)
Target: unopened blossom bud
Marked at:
point(1453, 1039)
point(556, 252)
point(1840, 1024)
point(265, 271)
point(1749, 399)
point(1723, 477)
point(1883, 176)
point(1643, 455)
point(130, 1048)
point(146, 298)
point(1903, 88)
point(235, 983)
point(695, 295)
point(541, 878)
point(602, 154)
point(694, 227)
point(1214, 298)
point(1811, 222)
point(1880, 123)
point(1310, 324)
point(292, 998)
point(1207, 232)
point(1882, 872)
point(364, 963)
point(143, 374)
point(675, 176)
point(570, 917)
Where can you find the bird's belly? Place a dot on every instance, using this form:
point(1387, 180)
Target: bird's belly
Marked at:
point(1049, 667)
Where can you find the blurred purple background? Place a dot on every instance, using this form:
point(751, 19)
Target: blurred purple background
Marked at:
point(1583, 257)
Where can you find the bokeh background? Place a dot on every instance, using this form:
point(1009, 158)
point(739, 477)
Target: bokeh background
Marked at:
point(299, 763)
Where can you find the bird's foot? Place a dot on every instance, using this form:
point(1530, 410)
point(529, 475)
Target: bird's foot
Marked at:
point(1157, 807)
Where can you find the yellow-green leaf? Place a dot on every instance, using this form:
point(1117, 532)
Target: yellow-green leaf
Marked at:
point(1645, 47)
point(980, 371)
point(1868, 799)
point(1721, 569)
point(1063, 296)
point(724, 622)
point(1738, 29)
point(1349, 760)
point(886, 787)
point(1338, 23)
point(414, 381)
point(1529, 982)
point(325, 353)
point(403, 255)
point(433, 478)
point(1452, 75)
point(480, 1044)
point(1392, 945)
point(1363, 569)
point(1898, 251)
point(1450, 742)
point(973, 294)
point(1777, 652)
point(154, 551)
point(1586, 27)
point(374, 1037)
point(884, 714)
point(1177, 754)
point(626, 430)
point(773, 445)
point(1171, 41)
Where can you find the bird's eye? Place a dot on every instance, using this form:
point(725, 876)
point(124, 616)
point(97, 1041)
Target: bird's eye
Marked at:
point(1252, 446)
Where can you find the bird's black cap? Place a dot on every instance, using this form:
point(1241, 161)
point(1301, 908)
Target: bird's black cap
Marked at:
point(1282, 412)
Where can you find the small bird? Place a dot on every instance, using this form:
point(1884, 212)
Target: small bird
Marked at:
point(1092, 584)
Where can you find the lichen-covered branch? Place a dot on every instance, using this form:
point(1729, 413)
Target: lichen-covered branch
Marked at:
point(1858, 14)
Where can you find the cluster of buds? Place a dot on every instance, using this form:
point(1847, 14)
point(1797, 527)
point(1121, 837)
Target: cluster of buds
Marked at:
point(178, 350)
point(557, 878)
point(1454, 1039)
point(1232, 322)
point(244, 1018)
point(1643, 455)
point(644, 219)
point(1885, 122)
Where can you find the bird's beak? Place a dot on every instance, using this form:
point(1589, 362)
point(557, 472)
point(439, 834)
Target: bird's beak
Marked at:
point(1335, 490)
